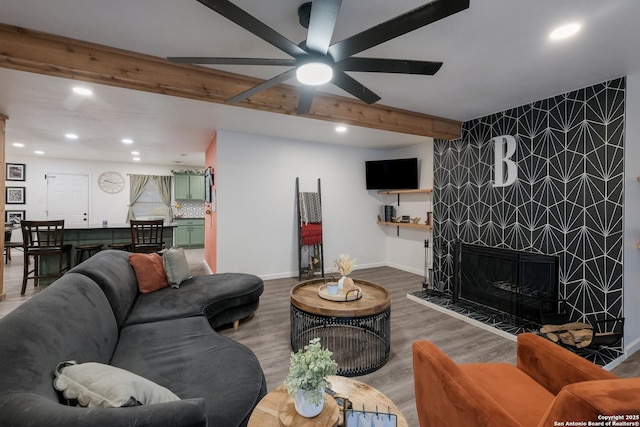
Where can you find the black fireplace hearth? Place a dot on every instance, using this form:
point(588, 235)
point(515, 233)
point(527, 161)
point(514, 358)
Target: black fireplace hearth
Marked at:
point(512, 282)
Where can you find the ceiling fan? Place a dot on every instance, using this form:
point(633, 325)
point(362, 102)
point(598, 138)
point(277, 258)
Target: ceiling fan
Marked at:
point(315, 61)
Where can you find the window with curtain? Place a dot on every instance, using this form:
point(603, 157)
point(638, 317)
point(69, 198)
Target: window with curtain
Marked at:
point(150, 197)
point(150, 202)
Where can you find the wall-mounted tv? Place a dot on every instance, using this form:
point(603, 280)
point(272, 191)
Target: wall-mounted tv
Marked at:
point(394, 174)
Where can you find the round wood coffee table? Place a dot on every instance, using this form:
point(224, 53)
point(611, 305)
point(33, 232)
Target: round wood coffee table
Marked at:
point(357, 332)
point(267, 412)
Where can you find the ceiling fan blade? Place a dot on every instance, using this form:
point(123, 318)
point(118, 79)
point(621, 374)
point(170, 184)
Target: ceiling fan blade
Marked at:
point(381, 65)
point(355, 88)
point(251, 24)
point(395, 27)
point(231, 61)
point(324, 14)
point(263, 86)
point(305, 99)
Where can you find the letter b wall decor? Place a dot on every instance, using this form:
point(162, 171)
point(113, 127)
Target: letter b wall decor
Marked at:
point(504, 147)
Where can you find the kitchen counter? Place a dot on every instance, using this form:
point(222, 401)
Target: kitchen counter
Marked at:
point(108, 227)
point(83, 234)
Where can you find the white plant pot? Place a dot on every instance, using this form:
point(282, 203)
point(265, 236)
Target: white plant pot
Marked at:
point(305, 408)
point(341, 282)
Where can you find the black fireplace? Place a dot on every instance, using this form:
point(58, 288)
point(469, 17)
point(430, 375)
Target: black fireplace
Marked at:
point(512, 282)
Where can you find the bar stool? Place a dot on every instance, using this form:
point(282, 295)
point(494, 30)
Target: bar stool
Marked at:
point(44, 238)
point(8, 245)
point(89, 249)
point(120, 246)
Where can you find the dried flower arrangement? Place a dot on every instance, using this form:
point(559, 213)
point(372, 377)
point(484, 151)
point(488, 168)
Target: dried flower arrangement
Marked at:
point(345, 264)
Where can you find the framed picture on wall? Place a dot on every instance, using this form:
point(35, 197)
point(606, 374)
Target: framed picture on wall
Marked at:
point(15, 195)
point(16, 171)
point(14, 216)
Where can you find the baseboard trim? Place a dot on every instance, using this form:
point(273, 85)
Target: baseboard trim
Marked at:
point(462, 317)
point(329, 271)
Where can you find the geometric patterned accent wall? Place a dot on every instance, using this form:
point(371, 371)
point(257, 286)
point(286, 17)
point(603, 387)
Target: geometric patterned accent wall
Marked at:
point(567, 200)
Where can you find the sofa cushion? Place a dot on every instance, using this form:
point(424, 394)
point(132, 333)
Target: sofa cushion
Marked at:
point(149, 272)
point(208, 294)
point(508, 386)
point(176, 266)
point(188, 357)
point(111, 270)
point(30, 410)
point(96, 385)
point(69, 319)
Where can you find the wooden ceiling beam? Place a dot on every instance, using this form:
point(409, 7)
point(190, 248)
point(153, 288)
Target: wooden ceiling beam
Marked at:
point(53, 55)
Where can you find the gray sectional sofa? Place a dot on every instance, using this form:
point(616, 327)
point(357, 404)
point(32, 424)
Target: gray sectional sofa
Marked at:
point(94, 313)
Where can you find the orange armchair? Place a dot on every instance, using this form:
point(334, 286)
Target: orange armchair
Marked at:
point(548, 384)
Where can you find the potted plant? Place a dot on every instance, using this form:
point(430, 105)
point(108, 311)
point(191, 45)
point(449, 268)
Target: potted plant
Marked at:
point(307, 378)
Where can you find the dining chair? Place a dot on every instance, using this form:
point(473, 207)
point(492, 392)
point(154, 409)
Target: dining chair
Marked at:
point(43, 238)
point(8, 245)
point(146, 235)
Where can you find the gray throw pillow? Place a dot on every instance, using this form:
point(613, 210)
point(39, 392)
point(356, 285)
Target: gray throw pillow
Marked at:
point(96, 385)
point(176, 266)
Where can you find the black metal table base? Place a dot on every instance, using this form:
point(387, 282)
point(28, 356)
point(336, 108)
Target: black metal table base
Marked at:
point(360, 345)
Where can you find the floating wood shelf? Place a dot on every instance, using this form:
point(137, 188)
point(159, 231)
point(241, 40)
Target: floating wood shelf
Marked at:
point(416, 191)
point(406, 224)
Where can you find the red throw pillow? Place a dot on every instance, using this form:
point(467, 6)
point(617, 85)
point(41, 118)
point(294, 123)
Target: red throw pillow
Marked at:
point(149, 272)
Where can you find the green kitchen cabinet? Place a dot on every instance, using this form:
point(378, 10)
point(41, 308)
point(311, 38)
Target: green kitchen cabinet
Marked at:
point(189, 187)
point(189, 232)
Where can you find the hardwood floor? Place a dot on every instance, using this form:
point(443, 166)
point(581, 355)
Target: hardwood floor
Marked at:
point(266, 333)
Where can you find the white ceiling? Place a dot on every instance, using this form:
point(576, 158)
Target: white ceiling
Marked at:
point(496, 55)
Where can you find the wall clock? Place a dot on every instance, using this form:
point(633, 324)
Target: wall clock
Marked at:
point(111, 182)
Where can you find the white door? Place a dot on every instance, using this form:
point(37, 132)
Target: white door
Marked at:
point(68, 198)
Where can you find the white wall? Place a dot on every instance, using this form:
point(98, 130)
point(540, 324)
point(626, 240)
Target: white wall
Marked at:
point(112, 207)
point(406, 251)
point(256, 202)
point(631, 217)
point(257, 226)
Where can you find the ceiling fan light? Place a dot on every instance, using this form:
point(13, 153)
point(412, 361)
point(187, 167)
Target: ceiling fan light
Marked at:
point(565, 31)
point(314, 73)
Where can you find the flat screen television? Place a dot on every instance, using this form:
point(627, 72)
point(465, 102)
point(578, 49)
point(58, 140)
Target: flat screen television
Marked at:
point(394, 174)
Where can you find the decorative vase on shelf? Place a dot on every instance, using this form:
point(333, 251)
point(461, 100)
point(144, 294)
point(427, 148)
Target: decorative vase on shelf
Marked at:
point(341, 283)
point(307, 408)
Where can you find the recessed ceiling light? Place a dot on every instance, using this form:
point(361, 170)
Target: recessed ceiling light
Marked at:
point(127, 141)
point(341, 129)
point(39, 152)
point(18, 144)
point(136, 159)
point(135, 153)
point(84, 91)
point(565, 31)
point(71, 136)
